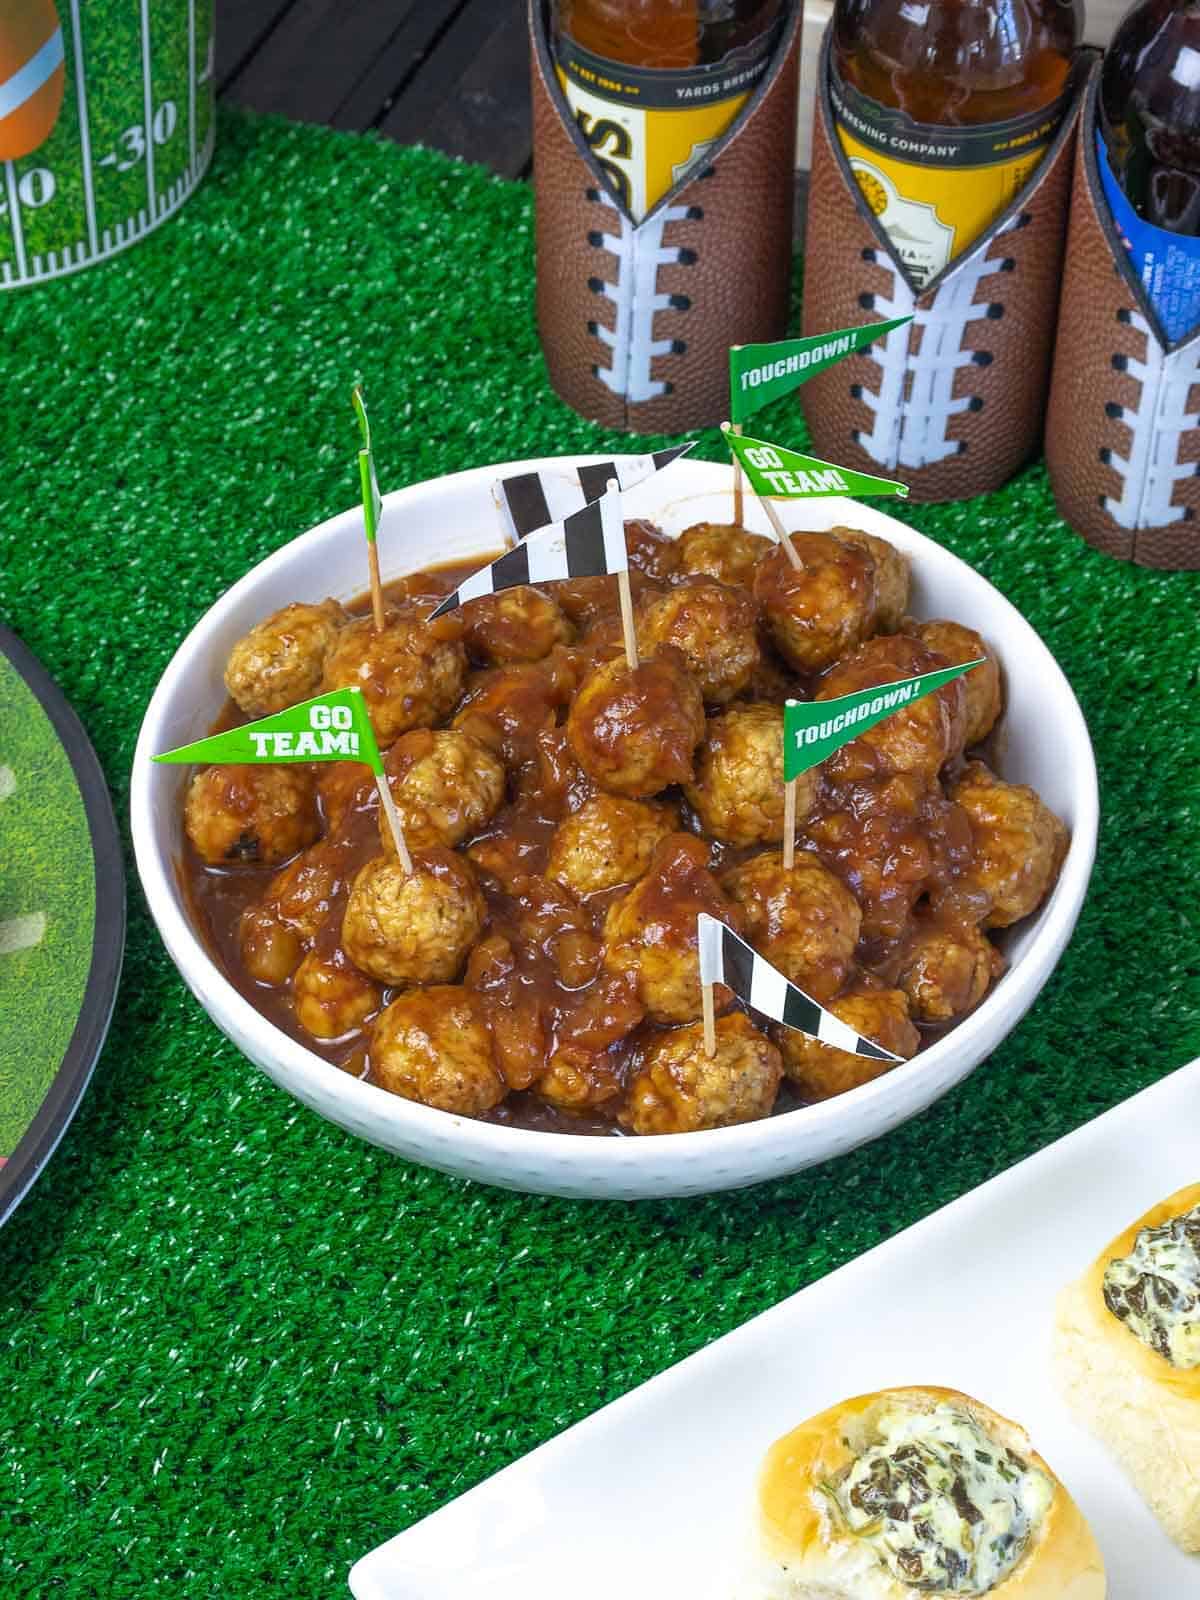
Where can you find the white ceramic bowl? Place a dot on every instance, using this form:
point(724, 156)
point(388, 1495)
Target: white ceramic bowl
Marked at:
point(1046, 744)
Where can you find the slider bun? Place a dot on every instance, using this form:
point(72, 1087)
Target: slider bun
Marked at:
point(1144, 1409)
point(814, 1558)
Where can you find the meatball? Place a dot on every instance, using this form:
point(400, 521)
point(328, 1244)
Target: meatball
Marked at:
point(343, 787)
point(251, 813)
point(586, 600)
point(270, 950)
point(413, 928)
point(411, 674)
point(633, 733)
point(679, 1088)
point(722, 550)
point(917, 738)
point(509, 708)
point(892, 575)
point(281, 660)
point(608, 842)
point(737, 792)
point(1019, 844)
point(522, 624)
point(981, 685)
point(947, 970)
point(651, 552)
point(433, 1045)
point(331, 997)
point(651, 932)
point(821, 609)
point(446, 785)
point(582, 1073)
point(715, 627)
point(822, 1070)
point(274, 934)
point(805, 922)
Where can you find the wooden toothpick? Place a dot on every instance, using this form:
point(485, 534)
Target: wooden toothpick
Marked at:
point(739, 488)
point(789, 825)
point(377, 613)
point(625, 592)
point(781, 532)
point(394, 824)
point(710, 1019)
point(508, 531)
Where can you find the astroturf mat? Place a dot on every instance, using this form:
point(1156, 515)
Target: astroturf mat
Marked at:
point(239, 1346)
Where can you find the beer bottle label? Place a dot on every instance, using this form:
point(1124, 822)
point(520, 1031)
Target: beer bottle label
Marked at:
point(935, 189)
point(1167, 263)
point(649, 126)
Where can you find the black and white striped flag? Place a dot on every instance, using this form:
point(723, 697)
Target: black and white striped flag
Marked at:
point(524, 495)
point(587, 544)
point(726, 958)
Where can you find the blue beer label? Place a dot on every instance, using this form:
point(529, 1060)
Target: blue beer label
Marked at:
point(1168, 264)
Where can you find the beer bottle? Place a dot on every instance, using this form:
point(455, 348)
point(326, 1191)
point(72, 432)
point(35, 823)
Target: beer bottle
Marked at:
point(944, 108)
point(653, 84)
point(1149, 139)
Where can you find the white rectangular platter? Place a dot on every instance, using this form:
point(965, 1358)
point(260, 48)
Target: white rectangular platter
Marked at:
point(652, 1498)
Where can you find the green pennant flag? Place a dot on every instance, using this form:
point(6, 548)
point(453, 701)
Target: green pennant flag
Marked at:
point(333, 727)
point(759, 373)
point(372, 499)
point(776, 473)
point(814, 729)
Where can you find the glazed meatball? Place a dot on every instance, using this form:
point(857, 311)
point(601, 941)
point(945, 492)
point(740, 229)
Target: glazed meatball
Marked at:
point(331, 997)
point(608, 842)
point(917, 738)
point(343, 787)
point(723, 551)
point(891, 575)
point(981, 685)
point(587, 600)
point(679, 1088)
point(821, 609)
point(947, 970)
point(446, 785)
point(413, 928)
point(651, 552)
point(433, 1045)
point(251, 813)
point(509, 708)
point(822, 1070)
point(521, 624)
point(633, 733)
point(582, 1073)
point(274, 934)
point(715, 627)
point(737, 792)
point(651, 932)
point(1019, 844)
point(270, 950)
point(281, 661)
point(411, 674)
point(805, 922)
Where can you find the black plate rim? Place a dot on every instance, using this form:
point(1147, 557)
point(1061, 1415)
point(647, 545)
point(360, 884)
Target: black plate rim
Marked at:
point(40, 1140)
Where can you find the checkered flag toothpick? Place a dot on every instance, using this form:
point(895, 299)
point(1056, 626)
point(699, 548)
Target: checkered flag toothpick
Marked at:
point(726, 958)
point(524, 495)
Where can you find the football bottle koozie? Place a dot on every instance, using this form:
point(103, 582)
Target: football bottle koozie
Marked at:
point(637, 317)
point(953, 402)
point(1123, 427)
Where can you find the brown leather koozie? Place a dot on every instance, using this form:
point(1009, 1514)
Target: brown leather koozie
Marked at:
point(636, 320)
point(952, 403)
point(1123, 427)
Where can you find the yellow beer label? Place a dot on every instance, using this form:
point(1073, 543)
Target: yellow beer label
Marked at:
point(647, 127)
point(935, 189)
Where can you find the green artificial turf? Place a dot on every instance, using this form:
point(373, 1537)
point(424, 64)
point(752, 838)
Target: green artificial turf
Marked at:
point(239, 1346)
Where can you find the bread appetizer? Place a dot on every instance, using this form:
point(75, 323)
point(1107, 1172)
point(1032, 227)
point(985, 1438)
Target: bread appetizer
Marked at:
point(912, 1492)
point(1128, 1357)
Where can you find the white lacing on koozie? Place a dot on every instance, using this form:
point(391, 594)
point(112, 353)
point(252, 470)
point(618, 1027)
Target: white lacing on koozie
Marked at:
point(1152, 468)
point(915, 399)
point(634, 294)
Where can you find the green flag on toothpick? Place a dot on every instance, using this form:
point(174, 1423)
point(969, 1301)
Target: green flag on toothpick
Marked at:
point(779, 474)
point(759, 373)
point(333, 727)
point(372, 499)
point(814, 729)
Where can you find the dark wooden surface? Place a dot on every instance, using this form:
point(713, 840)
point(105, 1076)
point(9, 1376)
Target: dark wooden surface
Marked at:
point(452, 74)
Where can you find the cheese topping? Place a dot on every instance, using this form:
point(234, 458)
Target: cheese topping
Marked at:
point(945, 1508)
point(1155, 1289)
